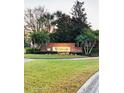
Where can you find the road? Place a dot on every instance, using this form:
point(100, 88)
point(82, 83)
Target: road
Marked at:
point(91, 86)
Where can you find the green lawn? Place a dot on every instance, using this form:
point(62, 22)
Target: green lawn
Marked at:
point(51, 56)
point(57, 76)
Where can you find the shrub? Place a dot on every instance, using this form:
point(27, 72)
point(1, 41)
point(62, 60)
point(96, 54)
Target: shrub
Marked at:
point(95, 52)
point(37, 51)
point(32, 51)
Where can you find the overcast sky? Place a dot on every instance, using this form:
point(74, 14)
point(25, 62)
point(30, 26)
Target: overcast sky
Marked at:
point(91, 7)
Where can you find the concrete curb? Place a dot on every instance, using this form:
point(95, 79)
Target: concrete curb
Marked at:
point(84, 88)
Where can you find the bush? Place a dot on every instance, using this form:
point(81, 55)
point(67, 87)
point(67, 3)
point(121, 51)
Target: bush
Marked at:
point(95, 52)
point(37, 51)
point(32, 51)
point(76, 53)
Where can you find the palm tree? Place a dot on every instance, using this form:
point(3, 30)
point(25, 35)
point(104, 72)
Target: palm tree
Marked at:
point(88, 40)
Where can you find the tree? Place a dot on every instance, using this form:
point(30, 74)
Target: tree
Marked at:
point(31, 18)
point(26, 42)
point(39, 39)
point(68, 28)
point(64, 28)
point(37, 20)
point(78, 11)
point(79, 19)
point(88, 40)
point(49, 21)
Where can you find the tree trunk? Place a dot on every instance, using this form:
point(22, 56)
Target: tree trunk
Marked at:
point(91, 48)
point(85, 51)
point(88, 48)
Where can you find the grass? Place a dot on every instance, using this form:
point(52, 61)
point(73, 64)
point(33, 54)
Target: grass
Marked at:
point(51, 56)
point(57, 76)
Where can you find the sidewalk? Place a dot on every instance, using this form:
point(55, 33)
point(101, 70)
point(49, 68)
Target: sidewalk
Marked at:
point(27, 60)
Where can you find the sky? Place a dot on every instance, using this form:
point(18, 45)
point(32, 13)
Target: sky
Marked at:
point(91, 8)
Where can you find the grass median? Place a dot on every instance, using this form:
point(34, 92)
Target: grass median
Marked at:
point(57, 76)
